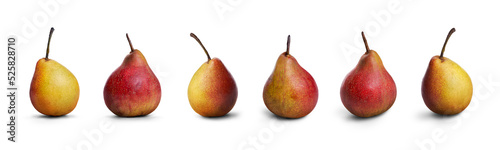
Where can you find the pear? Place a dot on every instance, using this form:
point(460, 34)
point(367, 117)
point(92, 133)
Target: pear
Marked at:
point(446, 87)
point(290, 91)
point(212, 91)
point(132, 89)
point(54, 90)
point(368, 90)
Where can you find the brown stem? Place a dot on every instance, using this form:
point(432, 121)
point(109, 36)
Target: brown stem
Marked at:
point(287, 46)
point(445, 42)
point(199, 42)
point(130, 43)
point(366, 43)
point(48, 43)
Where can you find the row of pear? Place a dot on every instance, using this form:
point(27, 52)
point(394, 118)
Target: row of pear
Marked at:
point(290, 91)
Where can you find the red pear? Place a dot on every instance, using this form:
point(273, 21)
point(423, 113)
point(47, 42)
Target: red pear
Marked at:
point(132, 89)
point(368, 90)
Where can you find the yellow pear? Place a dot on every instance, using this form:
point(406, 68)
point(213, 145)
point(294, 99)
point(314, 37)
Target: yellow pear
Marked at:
point(54, 89)
point(446, 87)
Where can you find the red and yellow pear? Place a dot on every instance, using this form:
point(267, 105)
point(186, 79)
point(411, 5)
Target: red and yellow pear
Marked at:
point(368, 90)
point(212, 91)
point(132, 89)
point(290, 91)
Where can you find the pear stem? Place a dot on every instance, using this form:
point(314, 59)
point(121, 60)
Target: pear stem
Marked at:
point(48, 43)
point(445, 42)
point(130, 43)
point(199, 42)
point(366, 42)
point(287, 46)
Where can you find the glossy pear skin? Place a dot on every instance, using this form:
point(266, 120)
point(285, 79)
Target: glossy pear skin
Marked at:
point(290, 91)
point(368, 90)
point(132, 89)
point(54, 89)
point(446, 87)
point(212, 91)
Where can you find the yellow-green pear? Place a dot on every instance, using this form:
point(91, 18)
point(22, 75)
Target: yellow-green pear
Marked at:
point(446, 87)
point(54, 89)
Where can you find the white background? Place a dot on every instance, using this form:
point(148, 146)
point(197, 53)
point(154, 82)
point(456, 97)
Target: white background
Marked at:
point(90, 41)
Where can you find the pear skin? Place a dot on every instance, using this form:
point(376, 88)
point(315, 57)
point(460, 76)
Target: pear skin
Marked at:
point(290, 91)
point(54, 90)
point(132, 89)
point(212, 91)
point(368, 90)
point(446, 87)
